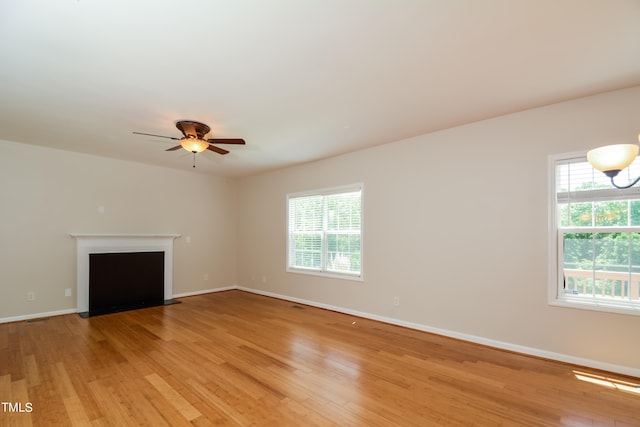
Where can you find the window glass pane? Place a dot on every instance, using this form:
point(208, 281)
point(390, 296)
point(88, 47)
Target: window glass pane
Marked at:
point(580, 214)
point(343, 252)
point(635, 253)
point(613, 213)
point(634, 212)
point(307, 250)
point(306, 213)
point(605, 248)
point(563, 214)
point(578, 251)
point(602, 265)
point(576, 176)
point(343, 211)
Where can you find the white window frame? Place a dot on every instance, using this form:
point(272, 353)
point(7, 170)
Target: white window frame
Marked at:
point(323, 270)
point(556, 294)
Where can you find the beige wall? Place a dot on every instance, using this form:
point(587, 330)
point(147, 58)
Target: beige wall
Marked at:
point(46, 194)
point(455, 224)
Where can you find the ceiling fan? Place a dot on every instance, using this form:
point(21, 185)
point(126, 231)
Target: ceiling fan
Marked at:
point(194, 140)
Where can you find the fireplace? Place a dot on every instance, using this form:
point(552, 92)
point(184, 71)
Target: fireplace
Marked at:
point(123, 272)
point(120, 281)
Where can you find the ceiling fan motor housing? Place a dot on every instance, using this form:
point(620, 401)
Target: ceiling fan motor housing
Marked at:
point(193, 129)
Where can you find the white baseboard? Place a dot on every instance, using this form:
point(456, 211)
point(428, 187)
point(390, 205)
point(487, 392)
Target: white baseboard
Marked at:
point(624, 370)
point(204, 291)
point(37, 315)
point(75, 310)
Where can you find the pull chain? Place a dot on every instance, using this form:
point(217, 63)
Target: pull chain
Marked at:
point(194, 159)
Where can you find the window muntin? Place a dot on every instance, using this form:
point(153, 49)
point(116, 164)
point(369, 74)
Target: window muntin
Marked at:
point(324, 232)
point(597, 234)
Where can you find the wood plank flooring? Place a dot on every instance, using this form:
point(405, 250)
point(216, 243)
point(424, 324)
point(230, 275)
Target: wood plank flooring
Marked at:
point(237, 359)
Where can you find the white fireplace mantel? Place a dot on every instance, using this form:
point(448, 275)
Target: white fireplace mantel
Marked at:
point(106, 243)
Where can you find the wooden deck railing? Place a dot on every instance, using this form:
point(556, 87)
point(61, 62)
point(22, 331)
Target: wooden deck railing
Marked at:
point(609, 283)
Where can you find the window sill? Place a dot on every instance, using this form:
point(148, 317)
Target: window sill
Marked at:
point(331, 275)
point(618, 307)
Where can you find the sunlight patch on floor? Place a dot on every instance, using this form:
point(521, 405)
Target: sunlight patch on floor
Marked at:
point(608, 382)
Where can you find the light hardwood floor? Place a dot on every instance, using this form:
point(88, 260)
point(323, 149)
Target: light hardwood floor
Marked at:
point(239, 359)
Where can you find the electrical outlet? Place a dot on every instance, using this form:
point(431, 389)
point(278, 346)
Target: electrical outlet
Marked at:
point(396, 301)
point(67, 292)
point(206, 276)
point(31, 296)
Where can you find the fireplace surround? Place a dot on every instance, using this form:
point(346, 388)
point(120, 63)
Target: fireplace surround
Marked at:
point(120, 243)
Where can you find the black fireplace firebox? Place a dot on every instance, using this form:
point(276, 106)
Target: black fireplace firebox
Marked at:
point(121, 281)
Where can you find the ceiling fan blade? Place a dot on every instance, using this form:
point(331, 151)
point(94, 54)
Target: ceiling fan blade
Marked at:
point(159, 136)
point(177, 147)
point(217, 149)
point(226, 141)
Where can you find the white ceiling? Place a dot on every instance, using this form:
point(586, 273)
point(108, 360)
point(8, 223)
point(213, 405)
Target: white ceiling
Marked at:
point(297, 79)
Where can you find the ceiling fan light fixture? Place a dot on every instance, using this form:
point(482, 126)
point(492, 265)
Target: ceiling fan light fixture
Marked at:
point(194, 145)
point(612, 157)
